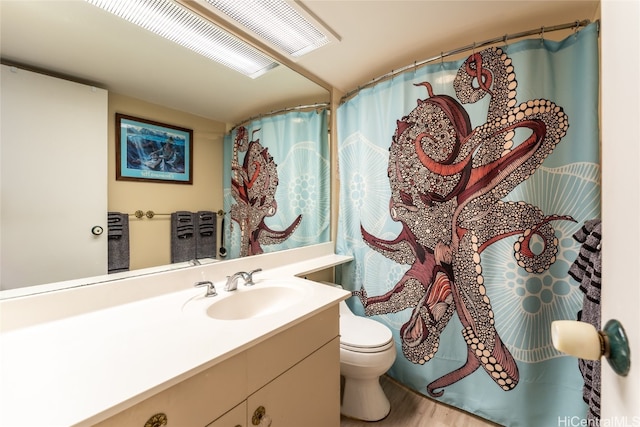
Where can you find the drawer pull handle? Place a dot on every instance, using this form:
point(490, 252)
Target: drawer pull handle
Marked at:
point(260, 417)
point(156, 421)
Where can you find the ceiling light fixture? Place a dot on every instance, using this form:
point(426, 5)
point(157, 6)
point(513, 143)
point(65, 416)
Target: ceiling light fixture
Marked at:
point(284, 25)
point(168, 19)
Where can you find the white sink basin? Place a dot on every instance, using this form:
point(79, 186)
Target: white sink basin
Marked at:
point(249, 302)
point(254, 302)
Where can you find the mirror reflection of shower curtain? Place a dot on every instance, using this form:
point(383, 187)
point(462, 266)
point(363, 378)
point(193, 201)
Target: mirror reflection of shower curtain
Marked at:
point(295, 212)
point(461, 186)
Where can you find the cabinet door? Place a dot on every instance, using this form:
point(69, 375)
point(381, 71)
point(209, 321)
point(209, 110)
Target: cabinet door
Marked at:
point(195, 401)
point(269, 359)
point(306, 395)
point(237, 417)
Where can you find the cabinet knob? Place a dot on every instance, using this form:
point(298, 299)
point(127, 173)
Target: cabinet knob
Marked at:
point(156, 421)
point(260, 417)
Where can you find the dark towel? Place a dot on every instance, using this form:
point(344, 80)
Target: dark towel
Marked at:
point(183, 239)
point(206, 234)
point(587, 270)
point(117, 242)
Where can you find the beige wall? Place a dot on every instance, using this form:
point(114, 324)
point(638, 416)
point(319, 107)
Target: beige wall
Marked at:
point(150, 238)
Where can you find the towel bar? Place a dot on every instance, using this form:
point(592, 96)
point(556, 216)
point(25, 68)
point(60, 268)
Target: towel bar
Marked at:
point(150, 214)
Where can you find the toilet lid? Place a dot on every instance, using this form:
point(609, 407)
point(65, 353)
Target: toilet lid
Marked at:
point(360, 334)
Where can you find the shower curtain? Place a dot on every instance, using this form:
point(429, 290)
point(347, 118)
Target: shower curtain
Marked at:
point(276, 183)
point(461, 186)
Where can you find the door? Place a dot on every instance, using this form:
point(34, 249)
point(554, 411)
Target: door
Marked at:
point(56, 129)
point(620, 39)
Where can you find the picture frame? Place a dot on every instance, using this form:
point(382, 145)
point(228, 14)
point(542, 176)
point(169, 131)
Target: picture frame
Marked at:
point(151, 151)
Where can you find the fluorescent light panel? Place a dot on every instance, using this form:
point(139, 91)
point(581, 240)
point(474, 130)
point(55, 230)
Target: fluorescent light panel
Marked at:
point(173, 22)
point(278, 22)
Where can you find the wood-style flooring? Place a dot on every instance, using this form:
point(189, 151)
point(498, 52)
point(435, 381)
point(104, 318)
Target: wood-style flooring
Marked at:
point(410, 409)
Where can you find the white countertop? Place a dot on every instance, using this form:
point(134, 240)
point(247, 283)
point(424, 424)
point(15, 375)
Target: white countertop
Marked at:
point(79, 370)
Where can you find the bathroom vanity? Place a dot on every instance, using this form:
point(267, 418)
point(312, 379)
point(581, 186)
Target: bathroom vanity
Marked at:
point(278, 379)
point(164, 357)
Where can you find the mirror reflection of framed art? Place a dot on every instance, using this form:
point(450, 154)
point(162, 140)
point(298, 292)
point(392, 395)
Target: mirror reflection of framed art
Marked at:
point(151, 151)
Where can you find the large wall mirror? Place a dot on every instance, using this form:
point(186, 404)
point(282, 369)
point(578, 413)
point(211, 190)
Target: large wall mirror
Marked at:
point(144, 76)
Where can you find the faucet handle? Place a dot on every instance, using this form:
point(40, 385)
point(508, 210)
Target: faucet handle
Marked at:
point(211, 289)
point(248, 277)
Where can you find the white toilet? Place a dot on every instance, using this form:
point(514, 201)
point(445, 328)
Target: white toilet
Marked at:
point(367, 351)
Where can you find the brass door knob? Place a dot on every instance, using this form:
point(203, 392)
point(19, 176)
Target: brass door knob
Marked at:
point(257, 415)
point(260, 417)
point(157, 420)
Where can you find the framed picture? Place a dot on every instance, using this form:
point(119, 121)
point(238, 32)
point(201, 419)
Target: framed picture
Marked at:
point(152, 151)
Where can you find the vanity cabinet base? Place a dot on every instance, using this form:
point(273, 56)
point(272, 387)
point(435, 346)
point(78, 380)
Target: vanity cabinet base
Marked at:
point(293, 377)
point(306, 395)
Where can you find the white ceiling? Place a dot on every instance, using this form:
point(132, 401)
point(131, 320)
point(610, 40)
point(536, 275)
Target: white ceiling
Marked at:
point(379, 36)
point(75, 39)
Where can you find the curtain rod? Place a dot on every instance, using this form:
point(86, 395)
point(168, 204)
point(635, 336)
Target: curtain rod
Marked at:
point(283, 110)
point(575, 25)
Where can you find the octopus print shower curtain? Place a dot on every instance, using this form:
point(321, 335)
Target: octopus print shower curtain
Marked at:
point(276, 184)
point(461, 186)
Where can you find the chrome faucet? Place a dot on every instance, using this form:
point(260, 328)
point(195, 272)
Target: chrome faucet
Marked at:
point(232, 281)
point(211, 289)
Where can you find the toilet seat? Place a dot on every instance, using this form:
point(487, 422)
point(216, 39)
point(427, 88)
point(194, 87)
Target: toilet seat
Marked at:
point(362, 335)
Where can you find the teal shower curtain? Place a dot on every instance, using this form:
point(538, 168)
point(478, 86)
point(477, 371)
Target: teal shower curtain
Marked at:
point(276, 183)
point(461, 186)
